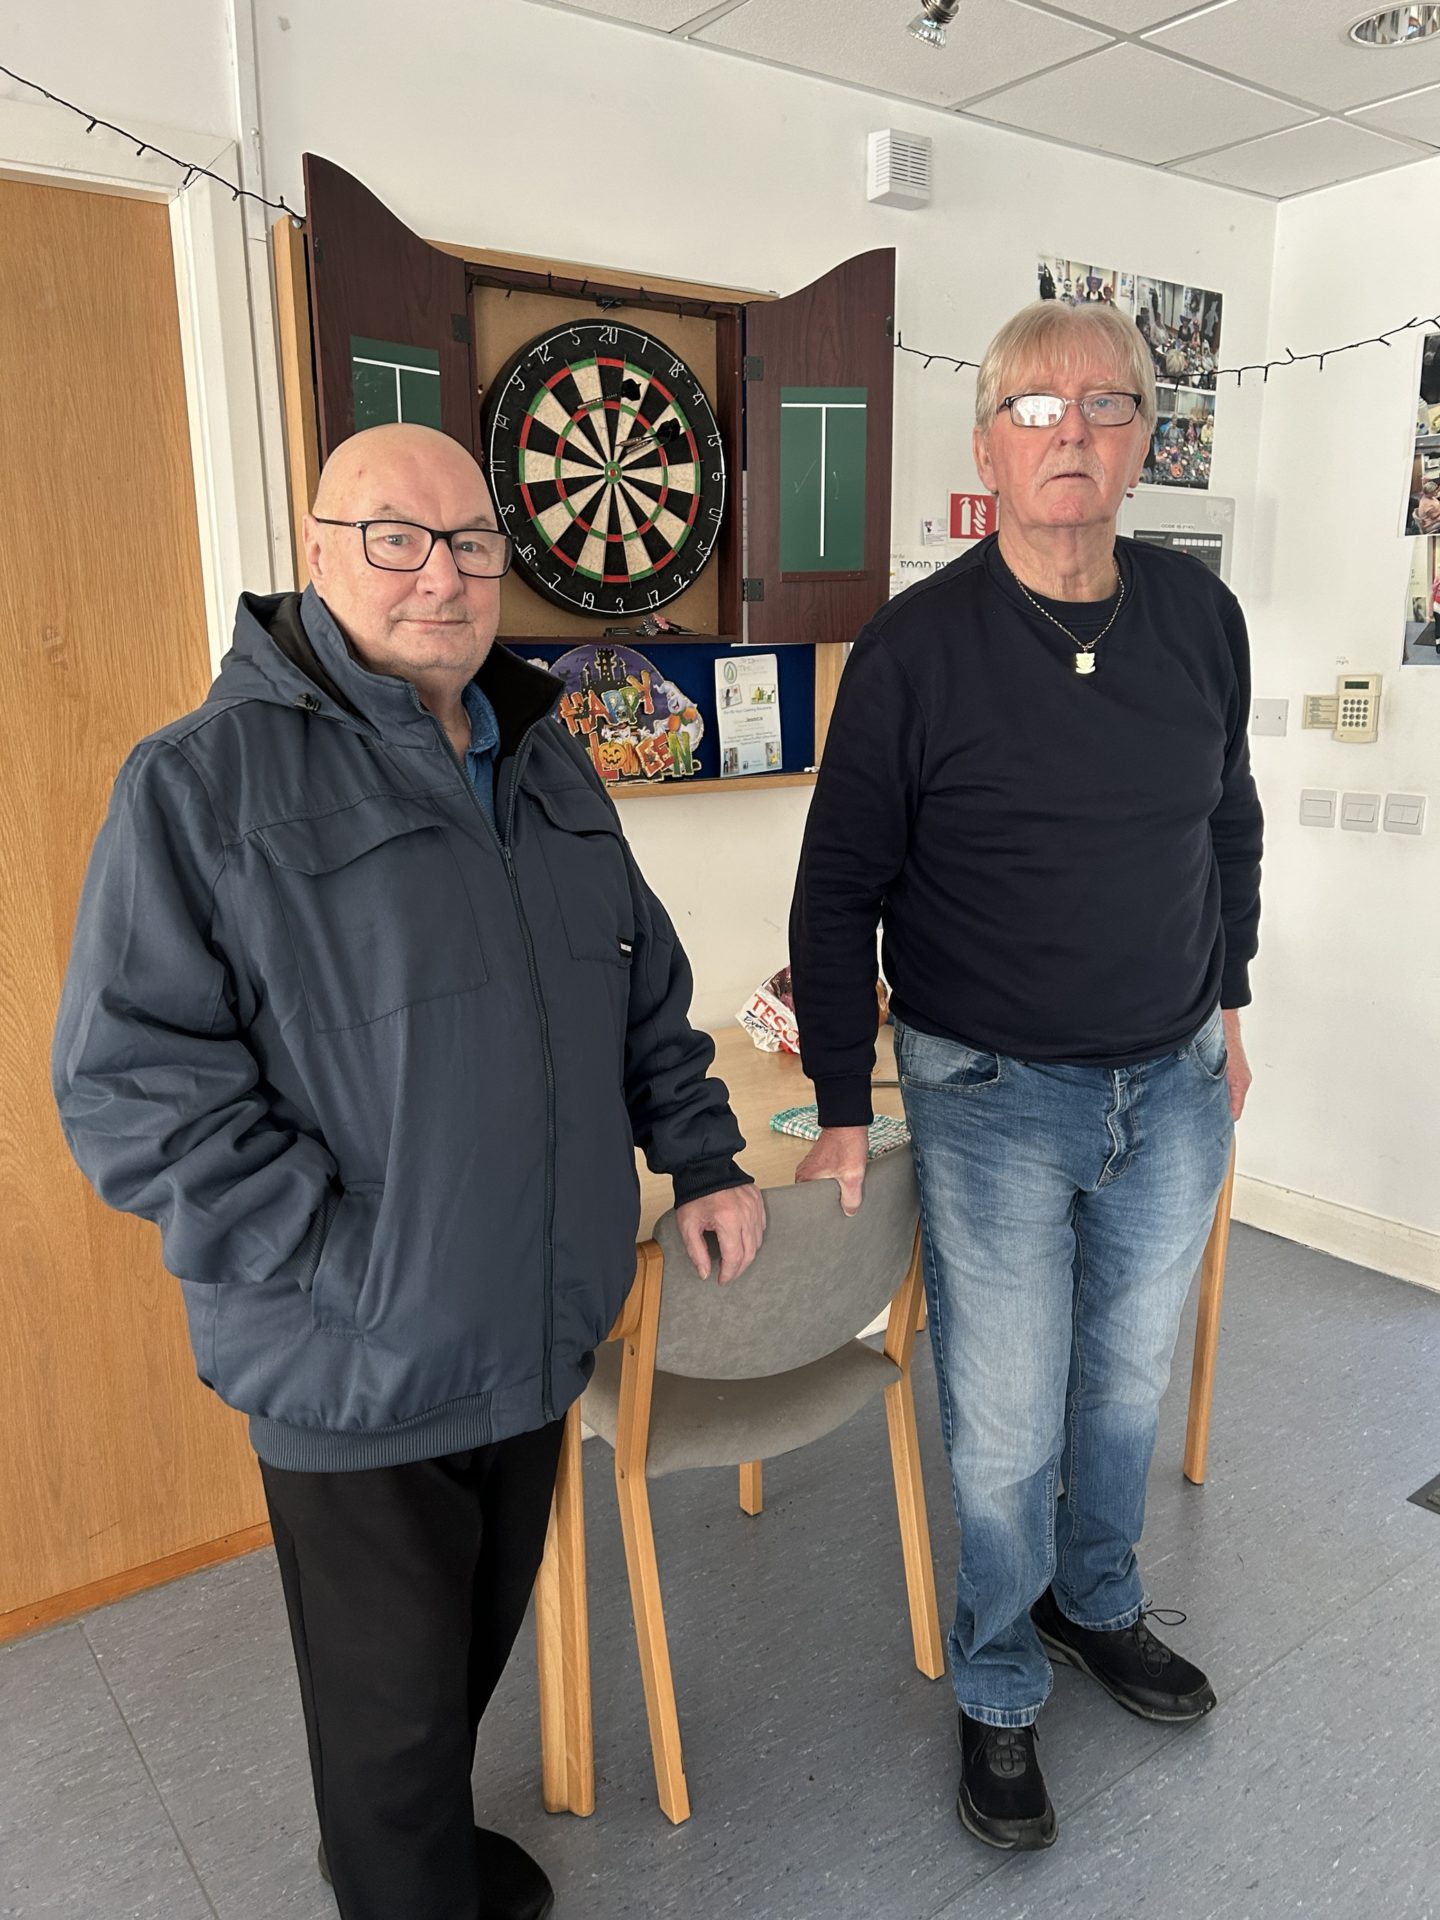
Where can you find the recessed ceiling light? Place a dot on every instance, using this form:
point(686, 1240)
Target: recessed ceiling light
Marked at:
point(1397, 26)
point(935, 16)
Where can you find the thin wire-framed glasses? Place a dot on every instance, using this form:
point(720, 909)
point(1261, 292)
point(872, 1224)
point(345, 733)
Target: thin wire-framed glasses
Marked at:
point(400, 546)
point(1049, 409)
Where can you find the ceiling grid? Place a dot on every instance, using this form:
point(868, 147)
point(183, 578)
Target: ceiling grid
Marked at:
point(1277, 99)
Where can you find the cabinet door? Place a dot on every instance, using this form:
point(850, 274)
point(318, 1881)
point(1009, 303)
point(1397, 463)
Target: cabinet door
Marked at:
point(390, 313)
point(818, 405)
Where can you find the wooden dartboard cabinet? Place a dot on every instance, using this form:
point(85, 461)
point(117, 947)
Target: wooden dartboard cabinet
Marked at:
point(356, 273)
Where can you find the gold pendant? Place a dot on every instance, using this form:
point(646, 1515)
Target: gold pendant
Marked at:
point(1084, 663)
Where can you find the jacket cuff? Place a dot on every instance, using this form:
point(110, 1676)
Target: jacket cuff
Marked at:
point(312, 1242)
point(845, 1102)
point(702, 1177)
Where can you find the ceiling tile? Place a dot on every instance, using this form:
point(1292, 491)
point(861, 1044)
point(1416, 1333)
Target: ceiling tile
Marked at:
point(1320, 154)
point(665, 14)
point(1134, 103)
point(1129, 16)
point(864, 41)
point(1414, 116)
point(1300, 47)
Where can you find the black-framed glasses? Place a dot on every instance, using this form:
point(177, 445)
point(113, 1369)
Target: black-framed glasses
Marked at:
point(400, 546)
point(1049, 409)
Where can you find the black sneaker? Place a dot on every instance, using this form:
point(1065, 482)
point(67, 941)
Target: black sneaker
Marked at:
point(1133, 1667)
point(1002, 1794)
point(515, 1886)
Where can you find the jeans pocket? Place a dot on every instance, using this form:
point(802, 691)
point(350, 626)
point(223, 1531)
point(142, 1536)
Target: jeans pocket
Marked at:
point(1209, 1048)
point(933, 1065)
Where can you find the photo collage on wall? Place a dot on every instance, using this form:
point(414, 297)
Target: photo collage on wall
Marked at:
point(1422, 515)
point(1181, 327)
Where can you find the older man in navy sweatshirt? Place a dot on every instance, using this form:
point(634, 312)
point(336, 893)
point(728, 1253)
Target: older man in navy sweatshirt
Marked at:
point(1037, 779)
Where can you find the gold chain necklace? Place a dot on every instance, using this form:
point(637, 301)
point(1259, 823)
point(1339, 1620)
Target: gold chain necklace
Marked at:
point(1084, 649)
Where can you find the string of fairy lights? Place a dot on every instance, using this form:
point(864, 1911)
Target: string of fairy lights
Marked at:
point(192, 170)
point(1263, 367)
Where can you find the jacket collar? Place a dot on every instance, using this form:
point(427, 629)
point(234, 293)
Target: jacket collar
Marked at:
point(307, 633)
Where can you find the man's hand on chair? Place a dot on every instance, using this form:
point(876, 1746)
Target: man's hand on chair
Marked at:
point(841, 1154)
point(736, 1217)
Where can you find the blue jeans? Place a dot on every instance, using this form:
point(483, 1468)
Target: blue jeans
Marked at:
point(1065, 1210)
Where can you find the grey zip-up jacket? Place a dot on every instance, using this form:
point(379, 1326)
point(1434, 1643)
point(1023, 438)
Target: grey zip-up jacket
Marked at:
point(374, 1068)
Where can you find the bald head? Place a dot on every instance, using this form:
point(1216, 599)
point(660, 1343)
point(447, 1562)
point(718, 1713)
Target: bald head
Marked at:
point(365, 470)
point(432, 627)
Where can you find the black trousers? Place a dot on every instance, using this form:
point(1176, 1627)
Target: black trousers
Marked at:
point(406, 1587)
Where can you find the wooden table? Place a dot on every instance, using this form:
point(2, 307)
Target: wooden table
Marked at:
point(760, 1084)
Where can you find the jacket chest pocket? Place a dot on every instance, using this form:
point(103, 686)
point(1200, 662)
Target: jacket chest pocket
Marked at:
point(585, 854)
point(376, 910)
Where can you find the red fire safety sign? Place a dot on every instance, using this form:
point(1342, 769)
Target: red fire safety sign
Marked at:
point(972, 515)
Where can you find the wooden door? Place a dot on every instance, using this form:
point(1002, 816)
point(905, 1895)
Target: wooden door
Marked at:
point(818, 404)
point(115, 1459)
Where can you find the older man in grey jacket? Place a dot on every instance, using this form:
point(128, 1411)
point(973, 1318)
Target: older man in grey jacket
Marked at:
point(368, 1006)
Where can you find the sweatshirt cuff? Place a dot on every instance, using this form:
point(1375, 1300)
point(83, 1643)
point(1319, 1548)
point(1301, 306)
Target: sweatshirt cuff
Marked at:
point(845, 1101)
point(702, 1177)
point(1235, 987)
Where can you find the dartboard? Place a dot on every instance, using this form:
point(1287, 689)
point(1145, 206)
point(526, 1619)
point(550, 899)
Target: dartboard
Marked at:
point(606, 466)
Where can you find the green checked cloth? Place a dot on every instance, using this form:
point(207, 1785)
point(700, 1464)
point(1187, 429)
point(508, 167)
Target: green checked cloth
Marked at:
point(804, 1122)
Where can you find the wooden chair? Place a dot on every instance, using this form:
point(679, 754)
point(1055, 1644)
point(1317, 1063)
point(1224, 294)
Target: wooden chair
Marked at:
point(700, 1375)
point(1207, 1333)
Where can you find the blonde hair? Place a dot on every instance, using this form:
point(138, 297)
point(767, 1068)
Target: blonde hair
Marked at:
point(1049, 335)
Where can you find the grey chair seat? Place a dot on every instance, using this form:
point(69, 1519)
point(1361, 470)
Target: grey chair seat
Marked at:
point(725, 1423)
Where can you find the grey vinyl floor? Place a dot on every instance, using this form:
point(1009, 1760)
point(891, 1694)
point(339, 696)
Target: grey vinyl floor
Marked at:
point(152, 1756)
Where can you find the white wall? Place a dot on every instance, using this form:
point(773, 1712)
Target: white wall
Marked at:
point(1345, 1031)
point(530, 129)
point(166, 61)
point(767, 191)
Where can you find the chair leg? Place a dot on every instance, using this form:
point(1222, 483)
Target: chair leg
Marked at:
point(1207, 1333)
point(562, 1630)
point(914, 1528)
point(550, 1669)
point(752, 1486)
point(660, 1708)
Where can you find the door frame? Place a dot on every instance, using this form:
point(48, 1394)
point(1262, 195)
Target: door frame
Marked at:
point(237, 518)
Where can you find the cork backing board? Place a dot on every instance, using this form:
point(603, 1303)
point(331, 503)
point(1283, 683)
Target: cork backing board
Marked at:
point(502, 323)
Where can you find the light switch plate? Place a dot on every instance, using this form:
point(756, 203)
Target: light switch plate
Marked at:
point(1360, 812)
point(1269, 716)
point(1317, 806)
point(1404, 813)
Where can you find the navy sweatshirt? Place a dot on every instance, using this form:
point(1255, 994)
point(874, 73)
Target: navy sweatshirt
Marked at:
point(1067, 867)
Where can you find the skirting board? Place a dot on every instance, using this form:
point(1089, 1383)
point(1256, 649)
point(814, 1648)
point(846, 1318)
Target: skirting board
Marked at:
point(1389, 1246)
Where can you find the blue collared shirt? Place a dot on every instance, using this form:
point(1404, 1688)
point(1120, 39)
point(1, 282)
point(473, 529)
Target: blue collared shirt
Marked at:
point(484, 744)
